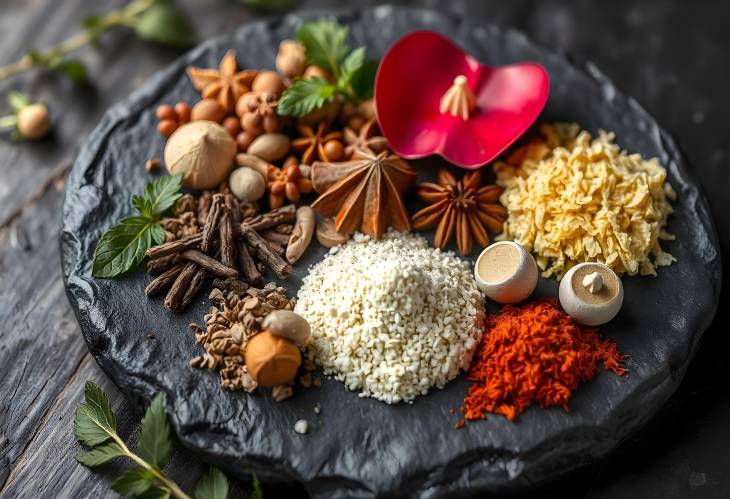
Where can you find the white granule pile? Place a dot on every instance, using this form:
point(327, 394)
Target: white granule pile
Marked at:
point(391, 318)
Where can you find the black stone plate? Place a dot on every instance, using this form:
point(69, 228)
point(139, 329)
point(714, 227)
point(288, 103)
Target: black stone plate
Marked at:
point(362, 447)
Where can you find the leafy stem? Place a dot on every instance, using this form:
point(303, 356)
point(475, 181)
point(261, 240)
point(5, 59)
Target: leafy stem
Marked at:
point(152, 20)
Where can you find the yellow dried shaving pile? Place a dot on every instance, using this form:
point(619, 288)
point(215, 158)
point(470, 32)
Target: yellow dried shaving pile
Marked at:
point(572, 198)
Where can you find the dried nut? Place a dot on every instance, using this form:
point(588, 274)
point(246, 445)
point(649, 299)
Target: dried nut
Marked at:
point(272, 360)
point(312, 70)
point(251, 161)
point(203, 152)
point(270, 146)
point(167, 127)
point(366, 109)
point(302, 234)
point(243, 140)
point(165, 112)
point(33, 121)
point(292, 58)
point(268, 81)
point(247, 184)
point(327, 234)
point(334, 151)
point(208, 109)
point(288, 325)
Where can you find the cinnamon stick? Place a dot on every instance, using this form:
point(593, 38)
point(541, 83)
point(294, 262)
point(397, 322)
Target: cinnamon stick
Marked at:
point(272, 219)
point(180, 286)
point(181, 244)
point(164, 280)
point(265, 252)
point(210, 264)
point(211, 223)
point(225, 232)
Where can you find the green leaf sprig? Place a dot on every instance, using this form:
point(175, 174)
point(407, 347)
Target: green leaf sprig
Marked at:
point(124, 245)
point(95, 427)
point(156, 21)
point(353, 76)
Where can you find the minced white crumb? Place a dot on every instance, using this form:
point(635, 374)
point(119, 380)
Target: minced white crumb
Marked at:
point(301, 426)
point(391, 318)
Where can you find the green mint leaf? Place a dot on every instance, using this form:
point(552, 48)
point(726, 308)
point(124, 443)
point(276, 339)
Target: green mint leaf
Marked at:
point(9, 121)
point(363, 81)
point(256, 490)
point(124, 245)
point(162, 193)
point(154, 493)
point(94, 420)
point(326, 43)
point(143, 206)
point(17, 100)
point(155, 441)
point(164, 24)
point(212, 485)
point(133, 482)
point(100, 454)
point(305, 96)
point(352, 63)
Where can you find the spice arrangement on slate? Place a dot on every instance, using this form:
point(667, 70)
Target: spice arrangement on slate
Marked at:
point(267, 166)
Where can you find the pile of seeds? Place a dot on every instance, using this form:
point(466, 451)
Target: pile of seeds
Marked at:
point(391, 318)
point(234, 318)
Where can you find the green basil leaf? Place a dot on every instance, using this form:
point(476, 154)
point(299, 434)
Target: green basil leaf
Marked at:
point(363, 81)
point(155, 442)
point(164, 24)
point(326, 43)
point(213, 485)
point(100, 454)
point(124, 245)
point(351, 64)
point(133, 482)
point(94, 420)
point(305, 96)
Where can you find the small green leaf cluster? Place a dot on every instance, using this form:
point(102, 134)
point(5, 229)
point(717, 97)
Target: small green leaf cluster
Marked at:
point(353, 75)
point(95, 427)
point(124, 245)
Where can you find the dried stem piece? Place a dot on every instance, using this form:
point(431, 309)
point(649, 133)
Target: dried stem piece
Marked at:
point(266, 253)
point(180, 286)
point(164, 280)
point(225, 231)
point(272, 219)
point(211, 223)
point(196, 284)
point(210, 264)
point(159, 265)
point(166, 249)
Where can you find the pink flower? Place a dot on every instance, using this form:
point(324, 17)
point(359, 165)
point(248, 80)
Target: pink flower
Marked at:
point(419, 69)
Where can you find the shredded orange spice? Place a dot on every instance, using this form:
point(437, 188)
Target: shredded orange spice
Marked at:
point(534, 353)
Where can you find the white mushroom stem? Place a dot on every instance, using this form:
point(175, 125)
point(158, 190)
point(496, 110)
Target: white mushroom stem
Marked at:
point(593, 282)
point(458, 100)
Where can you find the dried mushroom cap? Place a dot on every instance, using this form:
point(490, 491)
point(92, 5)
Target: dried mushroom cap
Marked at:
point(203, 152)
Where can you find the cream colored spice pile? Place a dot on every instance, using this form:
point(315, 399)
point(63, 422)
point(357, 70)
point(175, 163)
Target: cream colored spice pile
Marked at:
point(573, 198)
point(391, 318)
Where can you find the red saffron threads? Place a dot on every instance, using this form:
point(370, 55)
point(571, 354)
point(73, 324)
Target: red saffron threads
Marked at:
point(534, 353)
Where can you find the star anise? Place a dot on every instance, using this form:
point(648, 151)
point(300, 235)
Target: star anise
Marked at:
point(311, 142)
point(465, 207)
point(365, 138)
point(365, 193)
point(225, 84)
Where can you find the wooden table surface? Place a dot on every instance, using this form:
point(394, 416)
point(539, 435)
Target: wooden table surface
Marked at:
point(669, 55)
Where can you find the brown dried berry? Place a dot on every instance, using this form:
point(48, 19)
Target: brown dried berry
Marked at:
point(253, 123)
point(166, 127)
point(232, 126)
point(152, 165)
point(334, 150)
point(165, 112)
point(268, 81)
point(243, 140)
point(182, 109)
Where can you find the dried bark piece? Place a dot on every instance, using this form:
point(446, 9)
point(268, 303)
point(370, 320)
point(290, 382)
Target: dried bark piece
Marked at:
point(246, 263)
point(271, 219)
point(196, 284)
point(210, 264)
point(159, 265)
point(225, 231)
point(275, 237)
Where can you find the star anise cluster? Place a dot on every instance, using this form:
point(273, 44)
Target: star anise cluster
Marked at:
point(463, 207)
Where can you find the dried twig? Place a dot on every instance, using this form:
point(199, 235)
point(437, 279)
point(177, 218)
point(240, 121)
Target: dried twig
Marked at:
point(210, 264)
